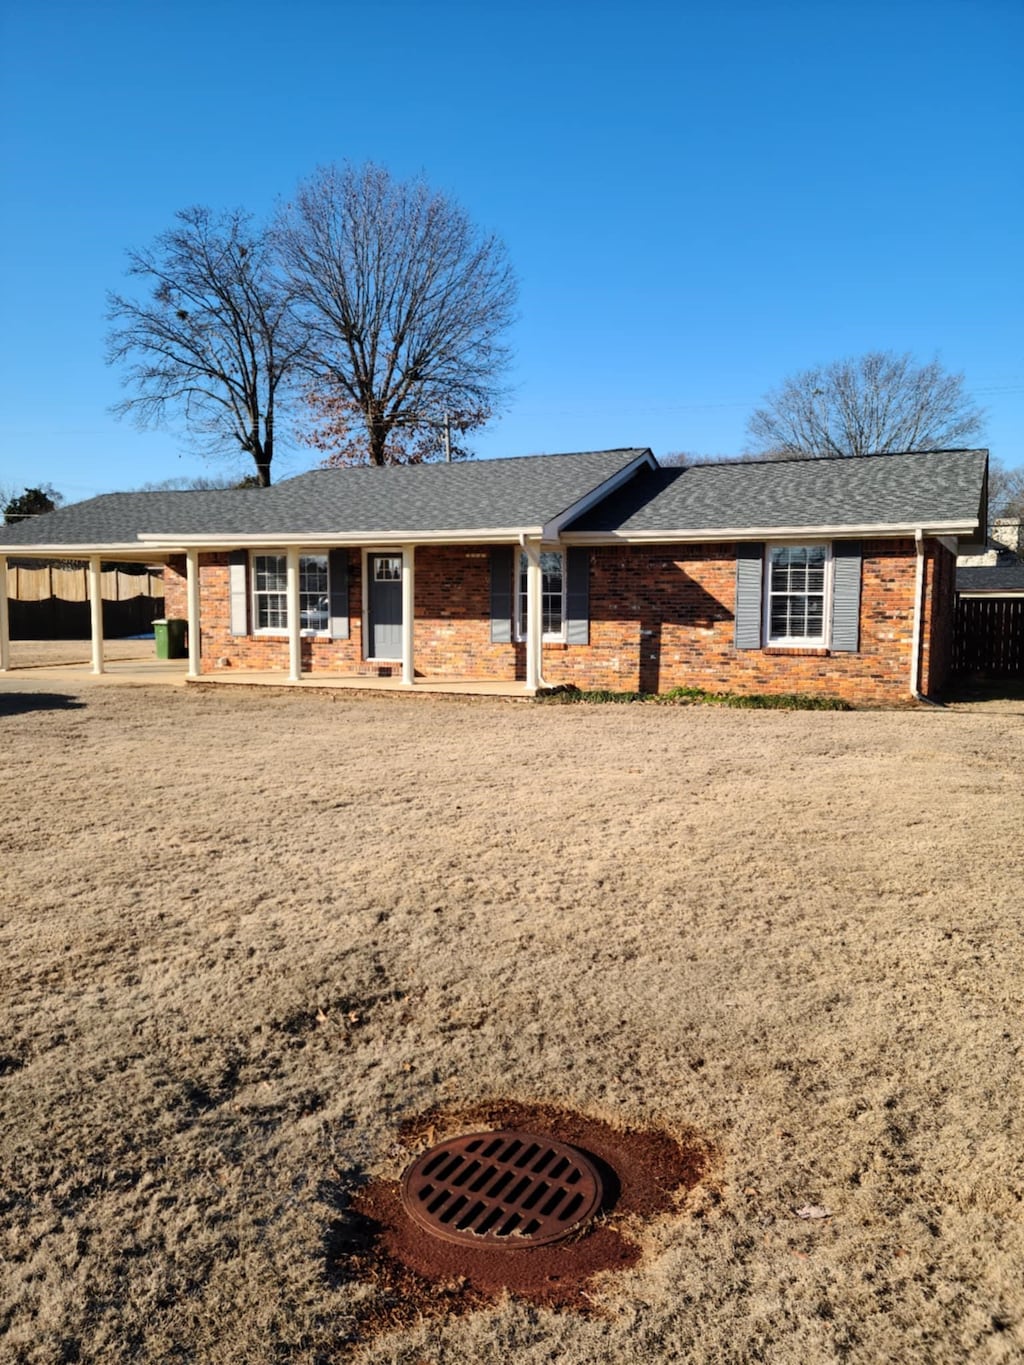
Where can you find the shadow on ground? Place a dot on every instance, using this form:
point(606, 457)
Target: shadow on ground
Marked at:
point(987, 694)
point(20, 703)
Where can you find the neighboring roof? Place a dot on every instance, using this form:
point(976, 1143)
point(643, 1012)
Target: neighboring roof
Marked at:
point(932, 490)
point(510, 495)
point(996, 580)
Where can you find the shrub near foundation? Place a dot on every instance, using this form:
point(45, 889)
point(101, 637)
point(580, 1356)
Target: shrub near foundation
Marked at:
point(695, 696)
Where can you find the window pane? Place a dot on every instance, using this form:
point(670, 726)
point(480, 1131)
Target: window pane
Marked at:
point(271, 573)
point(313, 573)
point(779, 618)
point(388, 569)
point(796, 593)
point(271, 611)
point(552, 574)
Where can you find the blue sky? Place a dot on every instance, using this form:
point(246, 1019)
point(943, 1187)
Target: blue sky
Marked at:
point(699, 199)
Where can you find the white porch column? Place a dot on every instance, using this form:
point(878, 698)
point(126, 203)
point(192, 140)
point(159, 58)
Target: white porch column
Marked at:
point(96, 612)
point(192, 581)
point(5, 619)
point(534, 627)
point(408, 609)
point(294, 623)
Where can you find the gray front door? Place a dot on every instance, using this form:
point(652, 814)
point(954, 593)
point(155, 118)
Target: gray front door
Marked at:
point(385, 603)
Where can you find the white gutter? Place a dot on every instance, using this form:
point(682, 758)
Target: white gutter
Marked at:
point(356, 539)
point(915, 645)
point(129, 550)
point(715, 533)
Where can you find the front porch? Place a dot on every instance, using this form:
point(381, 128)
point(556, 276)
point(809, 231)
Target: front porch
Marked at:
point(132, 663)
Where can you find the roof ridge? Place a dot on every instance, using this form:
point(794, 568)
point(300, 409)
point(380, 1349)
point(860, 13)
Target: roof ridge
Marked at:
point(836, 459)
point(472, 463)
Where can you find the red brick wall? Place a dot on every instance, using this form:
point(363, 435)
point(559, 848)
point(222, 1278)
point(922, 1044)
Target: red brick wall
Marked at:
point(453, 610)
point(660, 617)
point(175, 588)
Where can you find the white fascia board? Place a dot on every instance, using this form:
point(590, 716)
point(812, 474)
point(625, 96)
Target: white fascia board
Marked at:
point(478, 535)
point(552, 529)
point(990, 592)
point(131, 550)
point(715, 533)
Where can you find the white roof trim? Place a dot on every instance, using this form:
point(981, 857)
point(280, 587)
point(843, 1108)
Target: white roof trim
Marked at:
point(484, 534)
point(936, 528)
point(131, 549)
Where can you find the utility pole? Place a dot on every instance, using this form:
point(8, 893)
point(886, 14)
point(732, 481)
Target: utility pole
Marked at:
point(447, 439)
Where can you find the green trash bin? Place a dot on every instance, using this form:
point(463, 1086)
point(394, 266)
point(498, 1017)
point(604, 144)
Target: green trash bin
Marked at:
point(170, 636)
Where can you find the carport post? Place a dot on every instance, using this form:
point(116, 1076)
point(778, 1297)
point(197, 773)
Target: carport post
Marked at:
point(96, 612)
point(294, 617)
point(534, 584)
point(408, 610)
point(5, 619)
point(192, 580)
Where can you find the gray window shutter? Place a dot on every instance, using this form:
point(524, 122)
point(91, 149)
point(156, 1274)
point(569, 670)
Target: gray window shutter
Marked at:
point(337, 578)
point(501, 594)
point(238, 587)
point(846, 557)
point(577, 595)
point(749, 579)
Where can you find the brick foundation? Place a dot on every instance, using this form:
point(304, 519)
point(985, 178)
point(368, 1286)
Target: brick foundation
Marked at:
point(660, 617)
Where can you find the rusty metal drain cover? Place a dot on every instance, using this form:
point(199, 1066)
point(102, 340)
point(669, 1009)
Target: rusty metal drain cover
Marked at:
point(504, 1189)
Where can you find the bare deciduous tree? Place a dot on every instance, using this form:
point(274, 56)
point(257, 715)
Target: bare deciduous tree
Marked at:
point(1005, 491)
point(879, 402)
point(405, 304)
point(687, 459)
point(339, 431)
point(214, 340)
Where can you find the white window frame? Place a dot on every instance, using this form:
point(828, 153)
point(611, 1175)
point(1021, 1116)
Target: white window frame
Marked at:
point(519, 599)
point(281, 632)
point(796, 641)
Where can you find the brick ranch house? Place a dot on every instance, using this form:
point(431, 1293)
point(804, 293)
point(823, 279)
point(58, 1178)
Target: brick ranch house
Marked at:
point(603, 569)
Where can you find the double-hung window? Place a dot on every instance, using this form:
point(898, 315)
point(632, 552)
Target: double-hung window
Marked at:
point(797, 594)
point(552, 595)
point(270, 593)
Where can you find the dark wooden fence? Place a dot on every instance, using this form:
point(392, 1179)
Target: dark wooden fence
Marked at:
point(989, 637)
point(50, 601)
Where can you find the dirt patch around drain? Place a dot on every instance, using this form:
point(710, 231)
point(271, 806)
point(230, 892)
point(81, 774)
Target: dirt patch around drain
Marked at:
point(645, 1172)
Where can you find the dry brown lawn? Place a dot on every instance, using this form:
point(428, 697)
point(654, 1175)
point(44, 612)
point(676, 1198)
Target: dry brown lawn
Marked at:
point(246, 935)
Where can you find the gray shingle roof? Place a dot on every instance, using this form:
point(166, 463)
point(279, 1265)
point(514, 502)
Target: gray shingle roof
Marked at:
point(922, 489)
point(118, 518)
point(931, 489)
point(516, 493)
point(995, 578)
